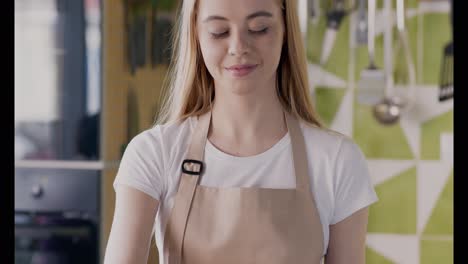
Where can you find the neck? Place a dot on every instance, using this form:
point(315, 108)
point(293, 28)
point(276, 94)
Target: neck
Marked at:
point(248, 123)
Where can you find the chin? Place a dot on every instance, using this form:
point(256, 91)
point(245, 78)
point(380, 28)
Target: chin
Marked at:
point(243, 87)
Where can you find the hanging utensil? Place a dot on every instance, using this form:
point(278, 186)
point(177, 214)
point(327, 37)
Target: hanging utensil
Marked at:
point(446, 78)
point(334, 18)
point(132, 116)
point(314, 11)
point(389, 110)
point(153, 39)
point(405, 96)
point(161, 49)
point(361, 28)
point(311, 11)
point(371, 86)
point(140, 40)
point(446, 72)
point(136, 25)
point(129, 28)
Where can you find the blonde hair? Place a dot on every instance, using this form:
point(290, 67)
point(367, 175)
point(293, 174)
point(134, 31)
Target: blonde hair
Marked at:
point(189, 88)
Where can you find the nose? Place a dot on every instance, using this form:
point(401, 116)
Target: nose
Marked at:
point(239, 44)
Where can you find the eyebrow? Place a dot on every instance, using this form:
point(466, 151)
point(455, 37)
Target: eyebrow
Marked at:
point(251, 16)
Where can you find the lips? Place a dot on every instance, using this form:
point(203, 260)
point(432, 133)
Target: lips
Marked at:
point(241, 70)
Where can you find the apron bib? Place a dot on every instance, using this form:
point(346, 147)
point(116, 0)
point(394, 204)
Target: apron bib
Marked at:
point(211, 225)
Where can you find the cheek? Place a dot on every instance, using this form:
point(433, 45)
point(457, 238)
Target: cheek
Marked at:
point(212, 55)
point(270, 48)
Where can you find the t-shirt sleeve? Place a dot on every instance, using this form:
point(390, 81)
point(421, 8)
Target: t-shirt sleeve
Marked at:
point(353, 187)
point(142, 165)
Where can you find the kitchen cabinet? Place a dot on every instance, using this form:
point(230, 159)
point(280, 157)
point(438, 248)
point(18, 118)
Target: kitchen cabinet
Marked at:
point(77, 103)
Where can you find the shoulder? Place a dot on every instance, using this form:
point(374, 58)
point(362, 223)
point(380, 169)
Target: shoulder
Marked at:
point(326, 140)
point(347, 162)
point(163, 133)
point(158, 140)
point(148, 156)
point(332, 147)
point(175, 130)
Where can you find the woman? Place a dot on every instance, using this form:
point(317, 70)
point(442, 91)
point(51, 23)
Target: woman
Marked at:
point(240, 171)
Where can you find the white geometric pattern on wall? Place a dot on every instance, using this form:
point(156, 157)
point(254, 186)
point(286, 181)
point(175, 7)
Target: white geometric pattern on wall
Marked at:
point(425, 106)
point(425, 178)
point(446, 147)
point(383, 170)
point(401, 249)
point(431, 179)
point(343, 121)
point(320, 77)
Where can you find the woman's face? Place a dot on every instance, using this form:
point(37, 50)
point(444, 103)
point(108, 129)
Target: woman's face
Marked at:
point(241, 41)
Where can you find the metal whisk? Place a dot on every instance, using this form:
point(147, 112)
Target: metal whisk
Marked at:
point(446, 69)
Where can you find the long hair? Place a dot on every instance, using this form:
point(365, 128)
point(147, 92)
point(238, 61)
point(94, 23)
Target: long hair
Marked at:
point(189, 88)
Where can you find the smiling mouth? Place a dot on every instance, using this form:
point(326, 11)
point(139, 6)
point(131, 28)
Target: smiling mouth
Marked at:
point(241, 70)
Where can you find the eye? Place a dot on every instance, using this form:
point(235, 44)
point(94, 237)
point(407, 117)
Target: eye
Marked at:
point(219, 35)
point(259, 32)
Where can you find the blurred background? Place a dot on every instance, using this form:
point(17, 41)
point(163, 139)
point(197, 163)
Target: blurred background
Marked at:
point(88, 76)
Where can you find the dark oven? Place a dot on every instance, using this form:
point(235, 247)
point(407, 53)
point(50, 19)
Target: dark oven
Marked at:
point(56, 216)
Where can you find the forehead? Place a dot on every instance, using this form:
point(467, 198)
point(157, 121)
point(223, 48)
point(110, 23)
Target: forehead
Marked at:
point(236, 9)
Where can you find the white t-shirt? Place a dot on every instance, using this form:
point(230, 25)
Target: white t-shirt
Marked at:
point(339, 177)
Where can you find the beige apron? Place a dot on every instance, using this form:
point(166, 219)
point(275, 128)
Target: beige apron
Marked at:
point(243, 225)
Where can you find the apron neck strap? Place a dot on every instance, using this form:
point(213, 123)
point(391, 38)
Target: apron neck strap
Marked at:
point(299, 153)
point(200, 135)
